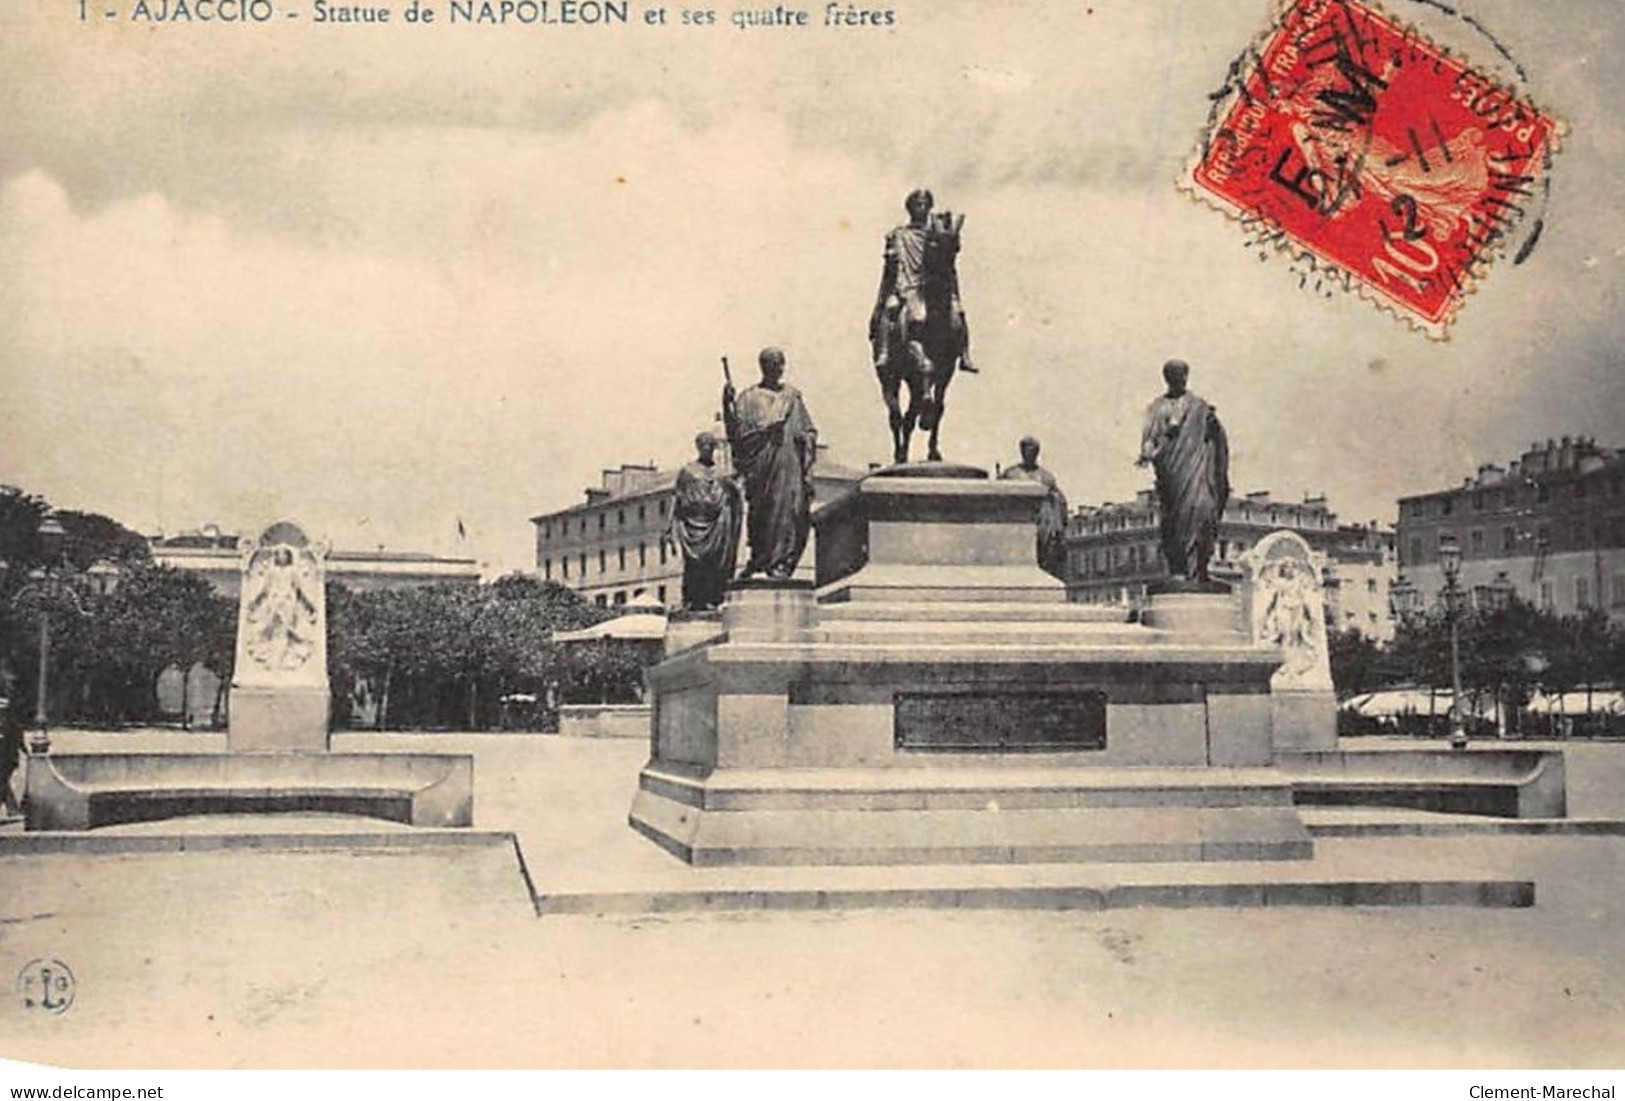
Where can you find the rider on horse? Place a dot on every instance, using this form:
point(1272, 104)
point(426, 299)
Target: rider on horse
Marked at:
point(900, 305)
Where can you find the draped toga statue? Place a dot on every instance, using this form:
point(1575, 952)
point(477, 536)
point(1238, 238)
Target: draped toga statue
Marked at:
point(705, 523)
point(1051, 538)
point(1185, 444)
point(774, 445)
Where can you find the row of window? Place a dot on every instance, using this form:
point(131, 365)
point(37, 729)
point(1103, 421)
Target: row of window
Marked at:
point(603, 600)
point(1270, 515)
point(1136, 556)
point(1540, 493)
point(665, 549)
point(1582, 593)
point(1610, 532)
point(1140, 556)
point(620, 520)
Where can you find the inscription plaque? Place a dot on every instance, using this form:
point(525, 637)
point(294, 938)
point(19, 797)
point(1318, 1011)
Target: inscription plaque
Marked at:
point(1012, 721)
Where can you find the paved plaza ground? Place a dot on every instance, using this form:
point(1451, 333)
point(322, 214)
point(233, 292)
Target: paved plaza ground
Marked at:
point(435, 958)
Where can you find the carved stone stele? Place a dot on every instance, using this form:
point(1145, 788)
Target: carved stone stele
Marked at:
point(1286, 608)
point(279, 689)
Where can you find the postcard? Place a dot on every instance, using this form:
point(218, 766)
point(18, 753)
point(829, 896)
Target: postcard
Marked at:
point(416, 275)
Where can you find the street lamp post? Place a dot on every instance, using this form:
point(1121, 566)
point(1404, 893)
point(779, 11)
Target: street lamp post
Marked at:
point(51, 533)
point(1402, 597)
point(1450, 562)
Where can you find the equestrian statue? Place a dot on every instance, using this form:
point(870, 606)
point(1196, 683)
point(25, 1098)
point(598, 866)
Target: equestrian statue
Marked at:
point(917, 329)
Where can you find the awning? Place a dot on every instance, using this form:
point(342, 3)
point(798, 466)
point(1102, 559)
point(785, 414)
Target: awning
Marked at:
point(1399, 701)
point(1603, 702)
point(635, 627)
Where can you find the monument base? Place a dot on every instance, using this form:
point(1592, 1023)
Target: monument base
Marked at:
point(1304, 720)
point(977, 812)
point(941, 702)
point(278, 719)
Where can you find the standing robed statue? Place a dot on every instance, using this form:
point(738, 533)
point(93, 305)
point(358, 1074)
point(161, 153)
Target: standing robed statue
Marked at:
point(774, 445)
point(1050, 541)
point(1185, 444)
point(705, 524)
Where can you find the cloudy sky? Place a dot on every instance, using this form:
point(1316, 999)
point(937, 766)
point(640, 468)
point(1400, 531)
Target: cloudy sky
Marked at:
point(380, 279)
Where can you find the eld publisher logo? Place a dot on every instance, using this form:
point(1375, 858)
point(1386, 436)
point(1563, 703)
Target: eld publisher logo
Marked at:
point(46, 985)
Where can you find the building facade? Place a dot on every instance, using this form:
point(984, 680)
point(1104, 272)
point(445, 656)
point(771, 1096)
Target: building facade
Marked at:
point(1550, 527)
point(1361, 567)
point(616, 545)
point(1114, 551)
point(217, 557)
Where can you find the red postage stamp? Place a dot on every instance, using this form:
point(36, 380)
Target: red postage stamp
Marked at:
point(1379, 159)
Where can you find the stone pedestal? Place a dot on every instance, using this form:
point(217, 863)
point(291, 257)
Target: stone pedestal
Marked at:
point(273, 719)
point(932, 531)
point(686, 629)
point(942, 702)
point(769, 611)
point(279, 691)
point(1194, 614)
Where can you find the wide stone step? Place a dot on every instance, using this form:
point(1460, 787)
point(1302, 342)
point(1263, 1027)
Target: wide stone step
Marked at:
point(978, 837)
point(970, 611)
point(968, 782)
point(1037, 887)
point(979, 632)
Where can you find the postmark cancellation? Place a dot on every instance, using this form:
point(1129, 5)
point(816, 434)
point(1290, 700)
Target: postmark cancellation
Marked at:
point(1379, 161)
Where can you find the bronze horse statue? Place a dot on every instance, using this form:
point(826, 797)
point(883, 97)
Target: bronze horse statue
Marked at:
point(924, 340)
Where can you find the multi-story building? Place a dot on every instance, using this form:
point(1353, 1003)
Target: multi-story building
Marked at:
point(1361, 567)
point(616, 545)
point(1114, 550)
point(217, 557)
point(1550, 528)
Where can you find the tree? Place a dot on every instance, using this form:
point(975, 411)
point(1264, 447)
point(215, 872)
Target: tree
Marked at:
point(1579, 650)
point(107, 650)
point(20, 516)
point(1356, 662)
point(26, 597)
point(1501, 649)
point(1420, 652)
point(446, 655)
point(156, 617)
point(91, 537)
point(606, 671)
